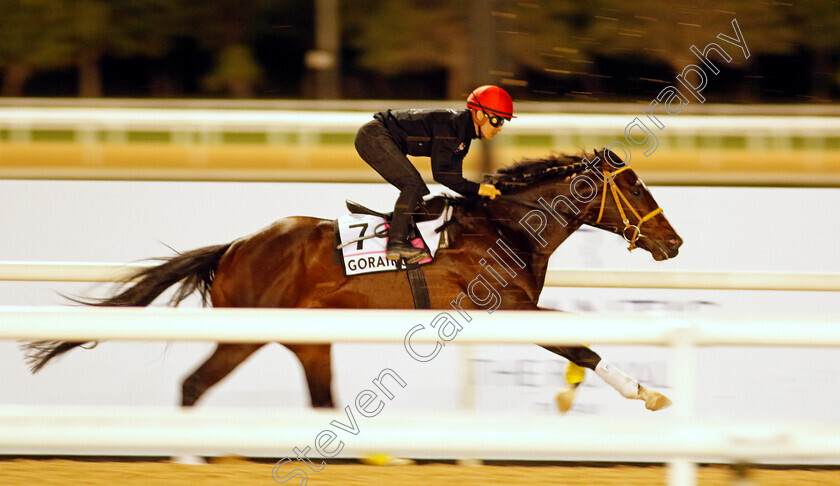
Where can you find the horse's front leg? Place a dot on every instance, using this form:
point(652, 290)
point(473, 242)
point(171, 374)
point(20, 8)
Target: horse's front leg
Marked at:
point(579, 358)
point(629, 387)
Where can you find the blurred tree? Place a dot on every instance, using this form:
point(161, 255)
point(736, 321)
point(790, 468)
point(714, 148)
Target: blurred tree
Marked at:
point(95, 28)
point(477, 41)
point(237, 72)
point(229, 28)
point(405, 36)
point(563, 38)
point(545, 33)
point(399, 36)
point(547, 37)
point(30, 40)
point(818, 25)
point(663, 32)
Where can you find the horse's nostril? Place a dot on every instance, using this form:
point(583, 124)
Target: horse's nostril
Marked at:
point(675, 241)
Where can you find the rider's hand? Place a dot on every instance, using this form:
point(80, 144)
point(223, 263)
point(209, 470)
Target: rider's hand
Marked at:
point(488, 190)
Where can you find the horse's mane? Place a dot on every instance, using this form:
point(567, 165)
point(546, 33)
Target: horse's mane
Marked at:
point(529, 171)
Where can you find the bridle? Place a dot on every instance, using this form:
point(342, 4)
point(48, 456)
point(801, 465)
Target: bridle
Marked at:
point(618, 196)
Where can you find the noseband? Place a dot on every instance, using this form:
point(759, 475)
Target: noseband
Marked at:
point(618, 196)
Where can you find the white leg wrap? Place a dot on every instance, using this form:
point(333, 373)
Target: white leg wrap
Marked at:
point(627, 386)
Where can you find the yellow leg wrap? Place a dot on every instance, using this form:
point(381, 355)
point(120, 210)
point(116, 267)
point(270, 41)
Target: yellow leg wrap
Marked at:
point(574, 373)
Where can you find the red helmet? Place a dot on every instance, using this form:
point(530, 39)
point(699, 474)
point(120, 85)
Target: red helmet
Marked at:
point(491, 99)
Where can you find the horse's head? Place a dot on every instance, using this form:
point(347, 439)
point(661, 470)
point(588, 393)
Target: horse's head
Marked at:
point(589, 190)
point(625, 206)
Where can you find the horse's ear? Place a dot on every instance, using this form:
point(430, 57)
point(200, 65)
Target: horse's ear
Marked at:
point(613, 159)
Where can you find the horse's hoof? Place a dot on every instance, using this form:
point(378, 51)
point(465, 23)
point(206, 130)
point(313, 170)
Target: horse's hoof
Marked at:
point(385, 460)
point(565, 399)
point(188, 460)
point(654, 400)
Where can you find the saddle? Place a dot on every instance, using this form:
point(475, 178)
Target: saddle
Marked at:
point(434, 211)
point(429, 210)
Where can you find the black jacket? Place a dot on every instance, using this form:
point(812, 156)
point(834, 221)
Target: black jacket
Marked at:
point(442, 135)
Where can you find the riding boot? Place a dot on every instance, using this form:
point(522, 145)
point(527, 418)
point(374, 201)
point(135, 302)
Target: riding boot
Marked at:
point(398, 245)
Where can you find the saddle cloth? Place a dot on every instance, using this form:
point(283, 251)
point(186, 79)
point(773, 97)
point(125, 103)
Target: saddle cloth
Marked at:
point(361, 255)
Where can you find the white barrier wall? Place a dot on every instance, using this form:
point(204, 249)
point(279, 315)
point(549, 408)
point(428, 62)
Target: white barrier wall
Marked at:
point(725, 229)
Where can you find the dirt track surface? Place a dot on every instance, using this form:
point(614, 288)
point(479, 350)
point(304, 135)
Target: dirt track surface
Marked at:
point(239, 473)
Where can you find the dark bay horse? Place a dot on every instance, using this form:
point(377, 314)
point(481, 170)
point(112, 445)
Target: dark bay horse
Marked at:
point(290, 264)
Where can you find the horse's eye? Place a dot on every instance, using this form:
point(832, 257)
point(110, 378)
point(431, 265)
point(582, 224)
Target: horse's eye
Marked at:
point(636, 192)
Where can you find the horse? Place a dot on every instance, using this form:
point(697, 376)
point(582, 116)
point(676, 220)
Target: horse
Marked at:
point(289, 264)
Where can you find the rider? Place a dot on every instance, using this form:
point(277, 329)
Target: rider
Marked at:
point(442, 135)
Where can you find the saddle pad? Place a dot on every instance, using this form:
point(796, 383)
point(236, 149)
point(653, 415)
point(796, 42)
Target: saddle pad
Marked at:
point(368, 255)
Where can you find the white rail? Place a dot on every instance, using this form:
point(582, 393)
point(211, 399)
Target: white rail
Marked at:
point(179, 120)
point(371, 106)
point(389, 326)
point(805, 281)
point(68, 271)
point(810, 281)
point(258, 433)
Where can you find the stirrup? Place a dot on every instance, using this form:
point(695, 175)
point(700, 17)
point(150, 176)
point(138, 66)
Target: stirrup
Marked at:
point(420, 255)
point(402, 249)
point(396, 249)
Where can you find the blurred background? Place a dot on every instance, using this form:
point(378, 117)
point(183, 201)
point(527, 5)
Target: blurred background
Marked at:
point(124, 124)
point(147, 69)
point(560, 50)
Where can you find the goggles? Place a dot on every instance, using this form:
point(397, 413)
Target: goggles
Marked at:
point(495, 120)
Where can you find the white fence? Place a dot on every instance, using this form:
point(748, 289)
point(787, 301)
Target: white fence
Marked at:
point(254, 433)
point(382, 326)
point(310, 141)
point(681, 439)
point(805, 281)
point(676, 437)
point(22, 120)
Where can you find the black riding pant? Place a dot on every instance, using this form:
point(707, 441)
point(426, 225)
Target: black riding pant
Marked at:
point(376, 146)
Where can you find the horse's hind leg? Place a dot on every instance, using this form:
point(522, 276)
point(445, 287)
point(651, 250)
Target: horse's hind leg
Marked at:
point(314, 358)
point(224, 359)
point(317, 366)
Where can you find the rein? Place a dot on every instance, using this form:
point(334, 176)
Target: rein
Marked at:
point(618, 196)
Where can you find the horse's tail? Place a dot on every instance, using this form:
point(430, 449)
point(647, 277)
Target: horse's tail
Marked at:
point(194, 270)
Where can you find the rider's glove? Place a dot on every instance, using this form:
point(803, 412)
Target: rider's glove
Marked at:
point(488, 190)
